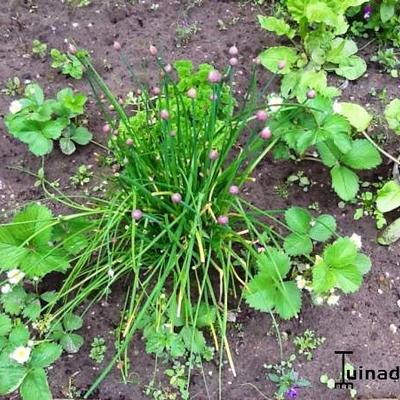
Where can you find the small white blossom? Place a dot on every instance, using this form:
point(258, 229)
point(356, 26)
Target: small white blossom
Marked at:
point(21, 354)
point(6, 288)
point(356, 239)
point(300, 282)
point(333, 300)
point(110, 273)
point(15, 107)
point(15, 276)
point(275, 103)
point(337, 107)
point(318, 300)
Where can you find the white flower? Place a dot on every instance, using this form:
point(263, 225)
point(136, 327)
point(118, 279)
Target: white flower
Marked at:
point(300, 282)
point(15, 276)
point(333, 299)
point(318, 300)
point(356, 239)
point(337, 107)
point(15, 107)
point(393, 328)
point(6, 288)
point(110, 273)
point(274, 103)
point(21, 354)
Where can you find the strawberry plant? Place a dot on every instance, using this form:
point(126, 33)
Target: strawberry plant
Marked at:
point(319, 26)
point(330, 129)
point(37, 121)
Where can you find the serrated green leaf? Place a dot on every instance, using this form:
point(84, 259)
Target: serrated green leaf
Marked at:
point(35, 386)
point(19, 335)
point(388, 198)
point(44, 355)
point(323, 278)
point(363, 264)
point(259, 294)
point(14, 301)
point(296, 244)
point(340, 50)
point(71, 342)
point(352, 68)
point(32, 311)
point(357, 115)
point(276, 25)
point(11, 377)
point(72, 322)
point(392, 115)
point(345, 182)
point(193, 339)
point(288, 300)
point(348, 278)
point(362, 155)
point(323, 229)
point(272, 57)
point(342, 252)
point(298, 219)
point(391, 234)
point(5, 324)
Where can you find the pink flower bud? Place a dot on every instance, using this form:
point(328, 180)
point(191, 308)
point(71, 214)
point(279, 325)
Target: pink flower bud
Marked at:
point(153, 50)
point(138, 92)
point(155, 90)
point(234, 190)
point(137, 214)
point(168, 68)
point(129, 142)
point(213, 155)
point(106, 128)
point(233, 51)
point(214, 76)
point(213, 97)
point(265, 133)
point(192, 93)
point(281, 64)
point(311, 94)
point(261, 115)
point(164, 114)
point(176, 198)
point(117, 45)
point(71, 48)
point(233, 61)
point(223, 220)
point(172, 134)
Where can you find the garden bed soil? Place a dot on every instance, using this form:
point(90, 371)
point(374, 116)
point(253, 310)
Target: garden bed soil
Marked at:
point(360, 322)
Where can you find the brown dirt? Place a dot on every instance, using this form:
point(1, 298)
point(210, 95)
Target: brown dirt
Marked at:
point(360, 323)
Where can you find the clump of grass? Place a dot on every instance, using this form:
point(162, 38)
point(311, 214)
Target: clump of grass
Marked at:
point(173, 225)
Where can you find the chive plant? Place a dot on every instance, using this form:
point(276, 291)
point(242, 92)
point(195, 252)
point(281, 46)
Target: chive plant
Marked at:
point(174, 227)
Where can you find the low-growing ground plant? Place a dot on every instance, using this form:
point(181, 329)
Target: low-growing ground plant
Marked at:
point(319, 27)
point(39, 49)
point(174, 225)
point(67, 63)
point(37, 121)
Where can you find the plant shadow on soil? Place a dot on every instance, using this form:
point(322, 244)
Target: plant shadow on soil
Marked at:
point(360, 323)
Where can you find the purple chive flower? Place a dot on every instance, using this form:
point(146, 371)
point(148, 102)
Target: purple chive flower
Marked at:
point(281, 64)
point(265, 133)
point(292, 393)
point(367, 11)
point(176, 198)
point(223, 220)
point(311, 94)
point(233, 61)
point(137, 214)
point(213, 155)
point(164, 114)
point(155, 90)
point(261, 115)
point(233, 51)
point(214, 76)
point(192, 93)
point(234, 190)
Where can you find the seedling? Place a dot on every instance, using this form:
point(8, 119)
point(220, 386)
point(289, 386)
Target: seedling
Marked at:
point(39, 49)
point(307, 343)
point(13, 87)
point(98, 350)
